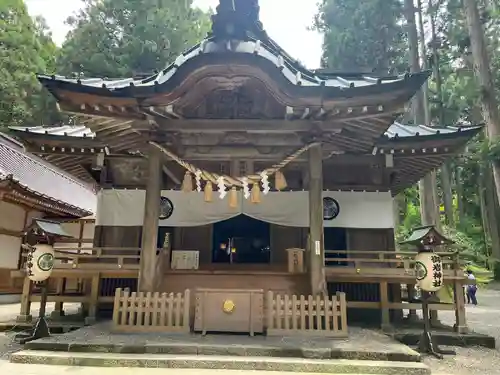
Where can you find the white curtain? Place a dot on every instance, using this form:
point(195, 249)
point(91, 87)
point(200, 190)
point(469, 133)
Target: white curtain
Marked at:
point(291, 209)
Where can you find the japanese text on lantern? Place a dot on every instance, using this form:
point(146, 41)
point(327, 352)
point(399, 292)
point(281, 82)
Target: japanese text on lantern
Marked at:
point(437, 271)
point(29, 264)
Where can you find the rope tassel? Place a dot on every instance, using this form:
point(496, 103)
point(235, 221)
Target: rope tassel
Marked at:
point(255, 196)
point(233, 198)
point(208, 192)
point(187, 184)
point(279, 181)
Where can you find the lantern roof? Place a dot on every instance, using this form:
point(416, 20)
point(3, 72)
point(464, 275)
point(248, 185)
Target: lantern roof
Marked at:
point(47, 228)
point(427, 235)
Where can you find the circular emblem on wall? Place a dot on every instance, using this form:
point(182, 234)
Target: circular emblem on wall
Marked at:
point(166, 208)
point(331, 208)
point(228, 306)
point(46, 262)
point(420, 270)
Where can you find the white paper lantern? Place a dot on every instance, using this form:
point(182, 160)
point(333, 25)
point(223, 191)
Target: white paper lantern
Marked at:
point(40, 262)
point(429, 271)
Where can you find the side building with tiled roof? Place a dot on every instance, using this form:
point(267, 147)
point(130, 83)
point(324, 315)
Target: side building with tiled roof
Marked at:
point(30, 187)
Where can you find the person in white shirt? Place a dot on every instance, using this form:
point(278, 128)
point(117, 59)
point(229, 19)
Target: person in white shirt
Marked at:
point(471, 288)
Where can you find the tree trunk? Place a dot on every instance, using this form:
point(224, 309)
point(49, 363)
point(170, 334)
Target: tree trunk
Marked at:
point(491, 204)
point(445, 169)
point(427, 187)
point(484, 77)
point(460, 196)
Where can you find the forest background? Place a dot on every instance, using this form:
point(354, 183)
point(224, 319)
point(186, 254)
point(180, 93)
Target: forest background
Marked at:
point(384, 36)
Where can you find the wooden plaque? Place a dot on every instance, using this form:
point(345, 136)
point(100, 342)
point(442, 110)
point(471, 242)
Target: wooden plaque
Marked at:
point(185, 260)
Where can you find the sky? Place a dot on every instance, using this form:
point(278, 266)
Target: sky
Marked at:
point(286, 21)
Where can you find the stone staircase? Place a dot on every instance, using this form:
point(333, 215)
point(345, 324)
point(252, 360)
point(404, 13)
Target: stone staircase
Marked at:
point(183, 361)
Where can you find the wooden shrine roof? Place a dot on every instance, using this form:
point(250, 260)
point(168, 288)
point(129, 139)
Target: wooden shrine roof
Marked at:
point(238, 73)
point(238, 93)
point(33, 180)
point(414, 150)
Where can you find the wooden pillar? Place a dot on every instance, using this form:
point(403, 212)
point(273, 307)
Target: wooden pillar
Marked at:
point(384, 305)
point(412, 313)
point(25, 313)
point(94, 299)
point(460, 320)
point(316, 234)
point(459, 294)
point(149, 280)
point(59, 306)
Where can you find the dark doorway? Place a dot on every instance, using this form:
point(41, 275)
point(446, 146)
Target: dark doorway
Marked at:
point(241, 240)
point(336, 239)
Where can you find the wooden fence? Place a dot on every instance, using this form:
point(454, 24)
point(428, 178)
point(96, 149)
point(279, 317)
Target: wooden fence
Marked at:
point(151, 312)
point(300, 315)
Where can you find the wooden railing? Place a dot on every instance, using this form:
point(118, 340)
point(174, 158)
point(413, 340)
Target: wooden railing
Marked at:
point(306, 315)
point(386, 263)
point(151, 312)
point(98, 258)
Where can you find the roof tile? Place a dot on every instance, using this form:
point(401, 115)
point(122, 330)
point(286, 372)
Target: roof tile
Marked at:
point(43, 178)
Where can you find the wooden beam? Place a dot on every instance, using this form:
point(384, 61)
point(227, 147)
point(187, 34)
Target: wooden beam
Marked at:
point(171, 175)
point(250, 126)
point(316, 234)
point(149, 281)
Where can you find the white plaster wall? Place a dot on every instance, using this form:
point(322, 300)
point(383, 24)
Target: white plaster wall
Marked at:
point(11, 217)
point(9, 251)
point(88, 231)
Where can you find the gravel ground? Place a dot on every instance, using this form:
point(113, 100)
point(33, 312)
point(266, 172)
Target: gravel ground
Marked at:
point(484, 318)
point(10, 312)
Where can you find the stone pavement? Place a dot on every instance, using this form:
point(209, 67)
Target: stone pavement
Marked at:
point(20, 369)
point(484, 318)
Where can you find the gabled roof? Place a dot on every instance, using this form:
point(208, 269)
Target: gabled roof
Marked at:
point(427, 234)
point(39, 178)
point(399, 131)
point(50, 227)
point(238, 39)
point(395, 132)
point(417, 150)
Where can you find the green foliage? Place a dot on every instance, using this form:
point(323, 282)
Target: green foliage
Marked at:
point(120, 38)
point(361, 34)
point(370, 34)
point(25, 49)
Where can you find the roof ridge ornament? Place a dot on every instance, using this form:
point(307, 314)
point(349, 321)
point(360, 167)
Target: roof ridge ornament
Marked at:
point(236, 19)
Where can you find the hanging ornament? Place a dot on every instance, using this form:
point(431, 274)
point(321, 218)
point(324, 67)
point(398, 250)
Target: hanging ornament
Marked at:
point(279, 181)
point(222, 187)
point(255, 193)
point(246, 188)
point(166, 241)
point(429, 271)
point(233, 198)
point(265, 182)
point(187, 184)
point(40, 262)
point(198, 180)
point(208, 192)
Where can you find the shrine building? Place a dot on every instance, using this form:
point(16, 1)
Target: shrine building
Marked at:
point(237, 167)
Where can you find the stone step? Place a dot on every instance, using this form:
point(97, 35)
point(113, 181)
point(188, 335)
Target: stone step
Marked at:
point(399, 353)
point(339, 366)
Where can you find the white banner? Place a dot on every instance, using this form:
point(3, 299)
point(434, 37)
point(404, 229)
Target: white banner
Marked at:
point(368, 210)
